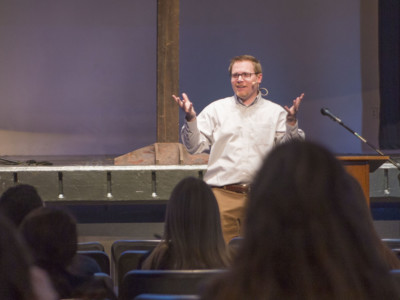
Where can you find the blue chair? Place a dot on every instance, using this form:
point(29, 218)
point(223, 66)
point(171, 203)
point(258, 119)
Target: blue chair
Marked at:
point(129, 260)
point(166, 282)
point(89, 246)
point(234, 245)
point(396, 275)
point(166, 297)
point(100, 257)
point(392, 243)
point(119, 246)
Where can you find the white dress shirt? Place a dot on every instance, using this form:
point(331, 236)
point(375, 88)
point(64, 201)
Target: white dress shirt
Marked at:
point(237, 137)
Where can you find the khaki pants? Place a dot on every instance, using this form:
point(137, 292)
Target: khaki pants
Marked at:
point(231, 207)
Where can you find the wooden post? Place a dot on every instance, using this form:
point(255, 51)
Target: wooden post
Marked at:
point(167, 70)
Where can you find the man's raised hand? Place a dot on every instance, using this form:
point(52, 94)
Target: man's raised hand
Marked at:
point(186, 106)
point(292, 111)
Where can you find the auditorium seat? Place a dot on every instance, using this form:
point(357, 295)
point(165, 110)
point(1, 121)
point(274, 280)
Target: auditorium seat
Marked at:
point(129, 260)
point(171, 282)
point(392, 243)
point(107, 282)
point(234, 244)
point(397, 252)
point(166, 297)
point(100, 257)
point(87, 246)
point(120, 246)
point(396, 275)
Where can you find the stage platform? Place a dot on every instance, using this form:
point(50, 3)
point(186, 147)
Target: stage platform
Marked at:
point(130, 201)
point(95, 179)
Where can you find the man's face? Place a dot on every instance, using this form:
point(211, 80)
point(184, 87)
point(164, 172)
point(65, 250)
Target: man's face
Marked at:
point(246, 85)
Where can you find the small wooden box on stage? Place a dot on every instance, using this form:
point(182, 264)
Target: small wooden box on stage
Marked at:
point(361, 166)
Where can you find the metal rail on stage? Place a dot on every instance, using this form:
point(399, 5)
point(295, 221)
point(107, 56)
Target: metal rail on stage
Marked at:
point(96, 184)
point(385, 183)
point(141, 184)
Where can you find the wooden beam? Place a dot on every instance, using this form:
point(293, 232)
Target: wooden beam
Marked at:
point(167, 70)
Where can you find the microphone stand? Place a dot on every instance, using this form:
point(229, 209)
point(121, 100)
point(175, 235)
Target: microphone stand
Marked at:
point(8, 162)
point(326, 112)
point(31, 162)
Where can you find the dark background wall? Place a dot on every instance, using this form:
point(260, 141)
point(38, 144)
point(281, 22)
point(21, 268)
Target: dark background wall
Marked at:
point(79, 77)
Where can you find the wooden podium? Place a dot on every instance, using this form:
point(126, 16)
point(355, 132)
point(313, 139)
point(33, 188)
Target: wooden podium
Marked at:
point(360, 167)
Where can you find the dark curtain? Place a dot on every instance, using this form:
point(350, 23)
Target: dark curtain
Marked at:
point(389, 64)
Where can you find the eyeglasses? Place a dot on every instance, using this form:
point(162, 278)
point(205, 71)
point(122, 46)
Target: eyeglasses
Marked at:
point(244, 75)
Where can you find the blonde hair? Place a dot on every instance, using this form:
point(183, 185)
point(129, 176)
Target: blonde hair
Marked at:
point(246, 57)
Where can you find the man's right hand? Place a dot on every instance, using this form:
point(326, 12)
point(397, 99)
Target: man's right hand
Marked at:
point(186, 106)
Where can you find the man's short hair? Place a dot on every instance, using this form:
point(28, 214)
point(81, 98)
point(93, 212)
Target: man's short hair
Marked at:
point(246, 57)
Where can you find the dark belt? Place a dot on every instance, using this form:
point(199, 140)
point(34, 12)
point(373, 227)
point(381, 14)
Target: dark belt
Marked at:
point(237, 188)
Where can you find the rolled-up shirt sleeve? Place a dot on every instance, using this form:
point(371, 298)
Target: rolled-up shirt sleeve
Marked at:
point(288, 132)
point(194, 140)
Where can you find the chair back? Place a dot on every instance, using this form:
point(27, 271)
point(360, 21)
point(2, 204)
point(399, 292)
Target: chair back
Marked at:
point(88, 246)
point(392, 243)
point(129, 260)
point(171, 282)
point(106, 278)
point(396, 251)
point(120, 246)
point(166, 297)
point(396, 275)
point(100, 257)
point(234, 245)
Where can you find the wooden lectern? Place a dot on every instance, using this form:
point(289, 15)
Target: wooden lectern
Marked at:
point(361, 166)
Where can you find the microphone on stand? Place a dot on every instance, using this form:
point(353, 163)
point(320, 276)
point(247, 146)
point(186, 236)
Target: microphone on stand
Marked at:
point(326, 112)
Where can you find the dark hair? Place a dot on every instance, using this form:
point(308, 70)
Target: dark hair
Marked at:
point(192, 233)
point(52, 235)
point(308, 234)
point(15, 264)
point(17, 201)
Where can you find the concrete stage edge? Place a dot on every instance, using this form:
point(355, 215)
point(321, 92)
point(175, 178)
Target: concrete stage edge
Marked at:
point(130, 201)
point(108, 201)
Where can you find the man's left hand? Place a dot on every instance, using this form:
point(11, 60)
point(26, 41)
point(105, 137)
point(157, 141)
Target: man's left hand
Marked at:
point(292, 111)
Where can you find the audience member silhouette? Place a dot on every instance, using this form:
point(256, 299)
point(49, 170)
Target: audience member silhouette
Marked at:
point(17, 201)
point(52, 236)
point(19, 279)
point(308, 234)
point(192, 233)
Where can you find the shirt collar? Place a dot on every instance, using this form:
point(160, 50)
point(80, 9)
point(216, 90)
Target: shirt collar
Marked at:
point(238, 100)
